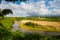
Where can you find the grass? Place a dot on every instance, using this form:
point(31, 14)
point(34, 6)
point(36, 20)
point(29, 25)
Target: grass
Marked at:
point(7, 22)
point(53, 19)
point(33, 26)
point(7, 35)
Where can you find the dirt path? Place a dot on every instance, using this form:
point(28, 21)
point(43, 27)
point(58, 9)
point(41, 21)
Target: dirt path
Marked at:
point(44, 23)
point(43, 32)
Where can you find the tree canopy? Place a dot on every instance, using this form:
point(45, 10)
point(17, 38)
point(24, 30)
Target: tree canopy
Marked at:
point(5, 12)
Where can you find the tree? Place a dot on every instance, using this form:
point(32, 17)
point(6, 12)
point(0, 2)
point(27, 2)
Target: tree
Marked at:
point(5, 12)
point(5, 33)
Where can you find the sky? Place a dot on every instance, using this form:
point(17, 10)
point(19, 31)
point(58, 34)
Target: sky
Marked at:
point(32, 8)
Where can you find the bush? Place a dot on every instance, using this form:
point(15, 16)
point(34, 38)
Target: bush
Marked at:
point(29, 24)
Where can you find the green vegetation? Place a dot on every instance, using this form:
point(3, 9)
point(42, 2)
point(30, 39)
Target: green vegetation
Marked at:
point(5, 30)
point(32, 25)
point(40, 37)
point(5, 12)
point(7, 22)
point(48, 18)
point(38, 18)
point(7, 34)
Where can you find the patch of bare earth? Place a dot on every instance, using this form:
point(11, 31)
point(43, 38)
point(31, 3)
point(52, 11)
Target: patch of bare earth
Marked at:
point(44, 23)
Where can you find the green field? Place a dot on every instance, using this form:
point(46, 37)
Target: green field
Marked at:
point(6, 25)
point(55, 19)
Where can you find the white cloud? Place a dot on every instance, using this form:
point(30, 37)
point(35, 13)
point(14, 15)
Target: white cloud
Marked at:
point(56, 11)
point(32, 8)
point(37, 8)
point(55, 4)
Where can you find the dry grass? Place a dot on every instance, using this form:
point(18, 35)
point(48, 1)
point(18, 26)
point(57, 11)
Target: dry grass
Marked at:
point(49, 26)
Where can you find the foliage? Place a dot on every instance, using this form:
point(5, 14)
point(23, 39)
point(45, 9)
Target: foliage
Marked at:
point(5, 12)
point(5, 30)
point(53, 19)
point(32, 25)
point(7, 22)
point(7, 34)
point(49, 18)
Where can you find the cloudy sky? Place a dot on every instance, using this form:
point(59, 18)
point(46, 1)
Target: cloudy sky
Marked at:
point(32, 8)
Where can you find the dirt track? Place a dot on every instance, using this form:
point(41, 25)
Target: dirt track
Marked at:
point(44, 23)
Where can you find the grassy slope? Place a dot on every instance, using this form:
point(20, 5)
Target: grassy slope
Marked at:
point(7, 22)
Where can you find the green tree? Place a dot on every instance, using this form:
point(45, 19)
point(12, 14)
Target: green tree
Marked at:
point(5, 12)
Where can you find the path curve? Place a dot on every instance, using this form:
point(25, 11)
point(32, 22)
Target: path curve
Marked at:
point(44, 23)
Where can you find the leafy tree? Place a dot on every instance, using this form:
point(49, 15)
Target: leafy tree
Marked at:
point(5, 12)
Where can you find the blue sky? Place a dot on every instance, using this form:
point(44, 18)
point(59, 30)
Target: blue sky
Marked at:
point(18, 2)
point(33, 7)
